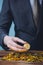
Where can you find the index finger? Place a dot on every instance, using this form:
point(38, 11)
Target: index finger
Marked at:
point(16, 39)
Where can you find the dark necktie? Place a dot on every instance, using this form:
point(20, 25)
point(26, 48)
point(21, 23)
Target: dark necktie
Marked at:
point(35, 10)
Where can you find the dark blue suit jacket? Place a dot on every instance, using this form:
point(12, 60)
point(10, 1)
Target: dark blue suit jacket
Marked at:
point(20, 12)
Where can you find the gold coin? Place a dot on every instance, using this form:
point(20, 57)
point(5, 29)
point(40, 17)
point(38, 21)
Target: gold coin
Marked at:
point(27, 46)
point(22, 50)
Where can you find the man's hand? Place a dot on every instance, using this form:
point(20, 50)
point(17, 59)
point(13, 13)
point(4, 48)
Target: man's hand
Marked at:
point(11, 42)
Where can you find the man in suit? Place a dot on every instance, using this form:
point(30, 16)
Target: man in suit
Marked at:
point(28, 22)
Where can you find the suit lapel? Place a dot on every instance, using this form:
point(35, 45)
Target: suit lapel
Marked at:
point(39, 5)
point(39, 17)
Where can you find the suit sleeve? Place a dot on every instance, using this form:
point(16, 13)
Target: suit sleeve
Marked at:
point(5, 22)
